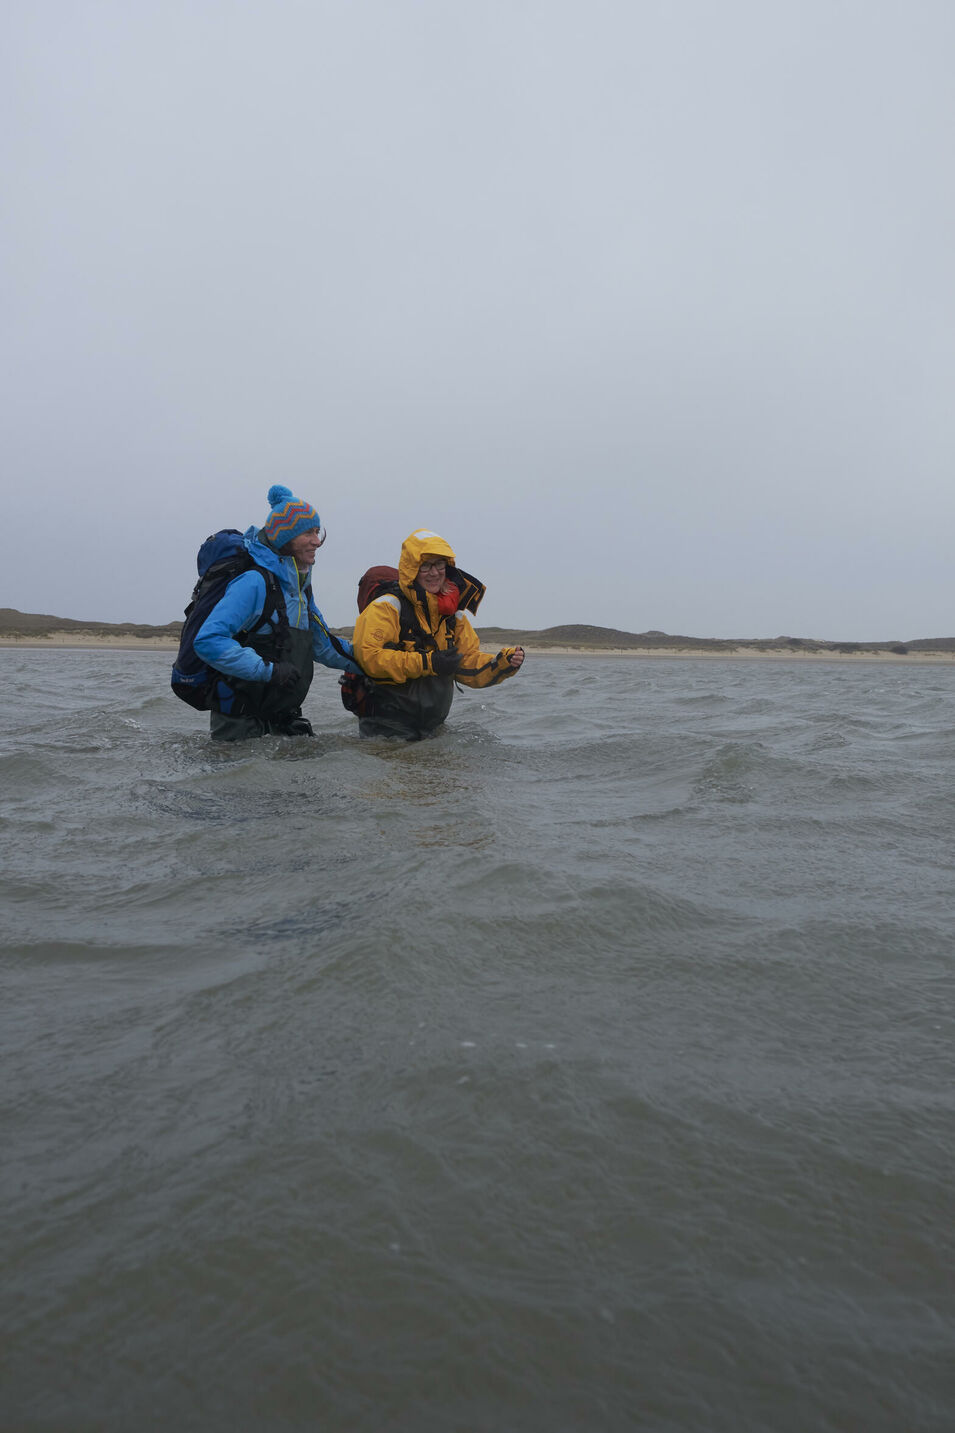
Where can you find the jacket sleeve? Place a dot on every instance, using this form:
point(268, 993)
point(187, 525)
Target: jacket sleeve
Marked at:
point(379, 624)
point(479, 669)
point(324, 649)
point(238, 610)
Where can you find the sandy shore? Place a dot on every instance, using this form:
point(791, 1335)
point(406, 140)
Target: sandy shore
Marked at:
point(121, 643)
point(93, 639)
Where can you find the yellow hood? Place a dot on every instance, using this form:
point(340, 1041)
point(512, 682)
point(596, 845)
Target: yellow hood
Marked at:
point(413, 549)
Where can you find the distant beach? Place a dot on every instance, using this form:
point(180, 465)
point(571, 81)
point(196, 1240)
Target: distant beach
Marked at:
point(746, 654)
point(121, 642)
point(94, 640)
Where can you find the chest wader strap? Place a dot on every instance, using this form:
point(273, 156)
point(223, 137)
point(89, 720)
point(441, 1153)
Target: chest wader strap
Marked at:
point(336, 643)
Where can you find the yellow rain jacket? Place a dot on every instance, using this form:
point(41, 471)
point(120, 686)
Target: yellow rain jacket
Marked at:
point(397, 656)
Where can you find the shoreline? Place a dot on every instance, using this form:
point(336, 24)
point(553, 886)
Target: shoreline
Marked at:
point(89, 641)
point(747, 654)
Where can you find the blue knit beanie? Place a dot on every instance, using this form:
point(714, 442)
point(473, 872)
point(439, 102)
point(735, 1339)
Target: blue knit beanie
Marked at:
point(290, 516)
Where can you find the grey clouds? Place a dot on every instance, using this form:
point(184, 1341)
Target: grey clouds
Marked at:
point(646, 307)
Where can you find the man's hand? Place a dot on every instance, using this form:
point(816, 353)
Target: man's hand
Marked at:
point(284, 675)
point(445, 664)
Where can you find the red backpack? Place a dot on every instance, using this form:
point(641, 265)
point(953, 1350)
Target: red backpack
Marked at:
point(358, 692)
point(375, 582)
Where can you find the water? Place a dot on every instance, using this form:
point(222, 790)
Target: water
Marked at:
point(589, 1067)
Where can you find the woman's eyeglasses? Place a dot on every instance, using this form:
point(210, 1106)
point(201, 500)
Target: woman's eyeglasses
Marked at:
point(440, 566)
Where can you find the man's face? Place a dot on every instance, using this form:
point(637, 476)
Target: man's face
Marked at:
point(304, 547)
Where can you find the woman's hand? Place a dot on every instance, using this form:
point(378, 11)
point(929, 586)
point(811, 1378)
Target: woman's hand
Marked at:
point(516, 657)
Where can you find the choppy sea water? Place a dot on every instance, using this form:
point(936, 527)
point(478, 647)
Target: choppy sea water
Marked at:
point(589, 1067)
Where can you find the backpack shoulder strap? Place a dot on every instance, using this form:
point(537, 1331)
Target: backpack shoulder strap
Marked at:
point(273, 612)
point(274, 605)
point(409, 628)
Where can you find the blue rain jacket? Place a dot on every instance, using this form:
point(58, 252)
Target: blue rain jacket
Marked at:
point(241, 607)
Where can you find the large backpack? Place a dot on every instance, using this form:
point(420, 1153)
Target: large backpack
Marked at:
point(221, 557)
point(358, 692)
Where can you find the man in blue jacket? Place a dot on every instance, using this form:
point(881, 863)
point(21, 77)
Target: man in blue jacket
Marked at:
point(265, 649)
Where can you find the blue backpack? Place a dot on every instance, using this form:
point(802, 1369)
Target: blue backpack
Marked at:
point(221, 557)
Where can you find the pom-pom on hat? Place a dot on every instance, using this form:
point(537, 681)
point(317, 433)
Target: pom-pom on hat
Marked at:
point(290, 516)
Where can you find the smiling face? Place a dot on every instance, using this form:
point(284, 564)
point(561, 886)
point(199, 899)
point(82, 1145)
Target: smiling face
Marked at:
point(304, 547)
point(431, 573)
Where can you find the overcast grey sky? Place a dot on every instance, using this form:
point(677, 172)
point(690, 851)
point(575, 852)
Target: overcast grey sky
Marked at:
point(646, 305)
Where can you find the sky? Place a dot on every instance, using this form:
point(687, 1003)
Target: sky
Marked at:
point(647, 306)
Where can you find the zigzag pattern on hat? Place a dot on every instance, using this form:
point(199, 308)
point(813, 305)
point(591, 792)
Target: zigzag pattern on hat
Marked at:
point(283, 519)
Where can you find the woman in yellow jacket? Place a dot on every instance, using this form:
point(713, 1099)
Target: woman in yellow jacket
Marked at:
point(415, 641)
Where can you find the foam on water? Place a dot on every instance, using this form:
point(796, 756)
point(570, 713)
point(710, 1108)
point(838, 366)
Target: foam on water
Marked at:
point(588, 1067)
